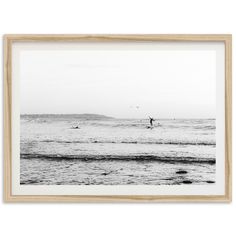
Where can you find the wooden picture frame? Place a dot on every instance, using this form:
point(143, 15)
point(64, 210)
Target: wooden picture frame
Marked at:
point(9, 40)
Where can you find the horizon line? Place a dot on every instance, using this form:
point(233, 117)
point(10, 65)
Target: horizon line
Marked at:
point(173, 118)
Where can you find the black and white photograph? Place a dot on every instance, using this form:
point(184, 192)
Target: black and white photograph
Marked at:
point(118, 114)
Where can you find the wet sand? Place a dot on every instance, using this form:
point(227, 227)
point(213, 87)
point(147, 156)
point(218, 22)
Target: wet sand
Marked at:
point(50, 171)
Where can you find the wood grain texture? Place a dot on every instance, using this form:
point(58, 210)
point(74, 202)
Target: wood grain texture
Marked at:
point(117, 37)
point(7, 119)
point(228, 118)
point(9, 39)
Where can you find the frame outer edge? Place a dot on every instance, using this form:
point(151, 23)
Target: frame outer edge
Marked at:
point(7, 120)
point(228, 118)
point(9, 38)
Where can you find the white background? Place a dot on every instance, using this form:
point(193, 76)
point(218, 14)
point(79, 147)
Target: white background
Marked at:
point(121, 16)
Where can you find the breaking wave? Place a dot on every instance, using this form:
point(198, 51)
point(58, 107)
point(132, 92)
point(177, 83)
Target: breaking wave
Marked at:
point(166, 142)
point(122, 158)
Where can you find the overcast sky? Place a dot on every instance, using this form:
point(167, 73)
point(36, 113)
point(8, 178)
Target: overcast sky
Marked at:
point(120, 81)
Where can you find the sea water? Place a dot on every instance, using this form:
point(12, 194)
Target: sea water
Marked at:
point(91, 149)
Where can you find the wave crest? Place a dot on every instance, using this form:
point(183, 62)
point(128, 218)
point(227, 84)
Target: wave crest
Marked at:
point(135, 142)
point(121, 158)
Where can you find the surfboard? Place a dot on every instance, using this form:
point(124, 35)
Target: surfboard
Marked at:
point(75, 127)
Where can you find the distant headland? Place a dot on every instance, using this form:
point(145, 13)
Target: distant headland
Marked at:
point(86, 116)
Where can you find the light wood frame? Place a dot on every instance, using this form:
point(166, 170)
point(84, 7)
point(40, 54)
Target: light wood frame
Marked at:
point(9, 39)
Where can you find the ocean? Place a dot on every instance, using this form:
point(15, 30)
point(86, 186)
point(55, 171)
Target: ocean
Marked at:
point(97, 150)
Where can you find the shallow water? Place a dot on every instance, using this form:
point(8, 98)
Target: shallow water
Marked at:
point(118, 172)
point(116, 151)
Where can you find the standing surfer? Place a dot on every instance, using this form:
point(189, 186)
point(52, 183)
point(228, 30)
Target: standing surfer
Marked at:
point(151, 120)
